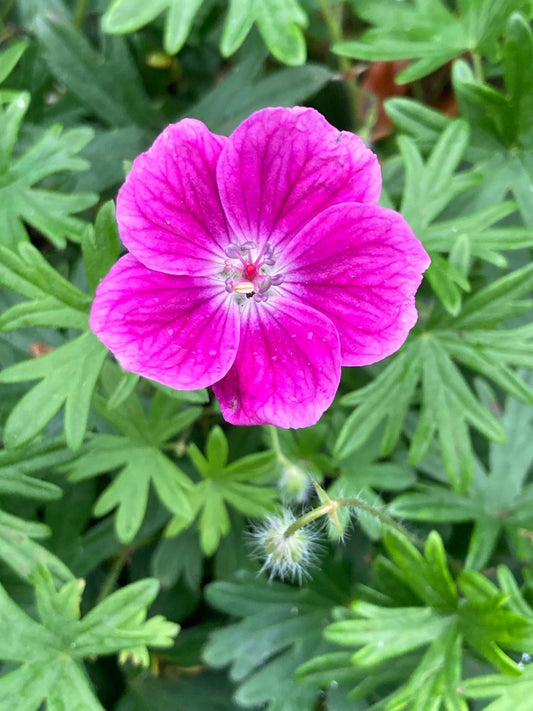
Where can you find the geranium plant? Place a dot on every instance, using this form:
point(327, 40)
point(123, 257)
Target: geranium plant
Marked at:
point(265, 342)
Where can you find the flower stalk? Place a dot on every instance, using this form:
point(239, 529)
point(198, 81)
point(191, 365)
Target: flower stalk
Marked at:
point(330, 507)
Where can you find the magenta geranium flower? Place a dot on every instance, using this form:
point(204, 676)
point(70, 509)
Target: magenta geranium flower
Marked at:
point(259, 264)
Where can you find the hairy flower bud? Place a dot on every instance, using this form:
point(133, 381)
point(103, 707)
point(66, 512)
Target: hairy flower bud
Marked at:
point(295, 483)
point(285, 556)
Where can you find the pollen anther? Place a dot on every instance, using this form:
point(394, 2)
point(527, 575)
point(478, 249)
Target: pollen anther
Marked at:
point(243, 287)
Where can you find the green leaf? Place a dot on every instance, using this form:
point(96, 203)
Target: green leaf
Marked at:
point(108, 84)
point(434, 684)
point(495, 302)
point(49, 652)
point(140, 465)
point(448, 407)
point(498, 501)
point(416, 119)
point(486, 622)
point(239, 22)
point(387, 397)
point(484, 21)
point(130, 15)
point(9, 58)
point(101, 245)
point(21, 200)
point(217, 449)
point(483, 241)
point(428, 575)
point(179, 23)
point(224, 485)
point(384, 633)
point(68, 376)
point(431, 187)
point(281, 627)
point(17, 466)
point(518, 53)
point(247, 89)
point(449, 404)
point(427, 32)
point(54, 301)
point(280, 23)
point(514, 693)
point(22, 554)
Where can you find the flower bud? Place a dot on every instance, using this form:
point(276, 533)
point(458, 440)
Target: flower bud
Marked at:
point(295, 483)
point(285, 556)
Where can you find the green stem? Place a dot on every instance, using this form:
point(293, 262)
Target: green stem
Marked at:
point(478, 66)
point(276, 446)
point(334, 23)
point(79, 13)
point(114, 573)
point(331, 506)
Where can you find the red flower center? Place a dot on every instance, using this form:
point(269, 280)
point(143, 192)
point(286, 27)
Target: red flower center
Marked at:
point(250, 272)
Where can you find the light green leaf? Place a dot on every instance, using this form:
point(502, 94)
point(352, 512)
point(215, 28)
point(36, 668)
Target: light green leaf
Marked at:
point(280, 23)
point(21, 200)
point(225, 484)
point(101, 245)
point(50, 652)
point(9, 58)
point(140, 464)
point(68, 376)
point(434, 684)
point(281, 627)
point(384, 633)
point(17, 466)
point(513, 693)
point(22, 554)
point(387, 397)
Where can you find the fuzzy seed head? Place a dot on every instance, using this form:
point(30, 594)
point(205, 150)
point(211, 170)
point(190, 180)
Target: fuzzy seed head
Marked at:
point(285, 557)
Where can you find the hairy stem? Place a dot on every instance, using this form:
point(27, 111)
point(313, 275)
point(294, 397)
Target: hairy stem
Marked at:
point(331, 506)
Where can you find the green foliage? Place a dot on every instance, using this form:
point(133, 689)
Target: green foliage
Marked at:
point(511, 693)
point(67, 376)
point(50, 652)
point(53, 300)
point(498, 500)
point(281, 627)
point(54, 152)
point(249, 90)
point(280, 23)
point(136, 452)
point(428, 32)
point(224, 484)
point(447, 615)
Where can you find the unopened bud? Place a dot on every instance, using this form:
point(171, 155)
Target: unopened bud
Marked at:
point(295, 483)
point(285, 557)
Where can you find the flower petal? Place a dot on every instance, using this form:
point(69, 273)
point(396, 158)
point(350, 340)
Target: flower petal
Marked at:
point(287, 368)
point(360, 265)
point(181, 331)
point(281, 167)
point(168, 210)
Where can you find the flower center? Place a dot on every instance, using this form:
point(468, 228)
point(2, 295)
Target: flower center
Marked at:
point(250, 271)
point(247, 270)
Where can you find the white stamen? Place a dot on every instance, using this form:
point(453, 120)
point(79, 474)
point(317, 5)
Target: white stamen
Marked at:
point(243, 287)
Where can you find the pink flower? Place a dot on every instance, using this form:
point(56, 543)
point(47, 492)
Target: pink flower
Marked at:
point(259, 264)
